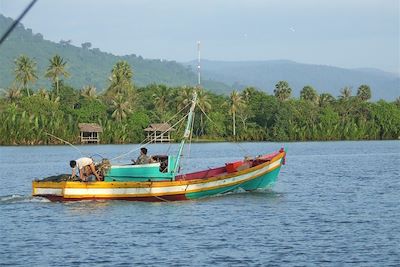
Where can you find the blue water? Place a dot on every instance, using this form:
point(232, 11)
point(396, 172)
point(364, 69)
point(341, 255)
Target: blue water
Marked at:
point(335, 204)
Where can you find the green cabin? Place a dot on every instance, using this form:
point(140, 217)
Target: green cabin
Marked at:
point(161, 170)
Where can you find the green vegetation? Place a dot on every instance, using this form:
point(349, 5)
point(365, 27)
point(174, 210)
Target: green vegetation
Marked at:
point(124, 110)
point(87, 64)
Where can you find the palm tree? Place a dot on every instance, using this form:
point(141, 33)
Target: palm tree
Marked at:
point(184, 97)
point(282, 91)
point(345, 93)
point(397, 102)
point(235, 103)
point(162, 98)
point(89, 92)
point(25, 71)
point(56, 69)
point(204, 102)
point(42, 92)
point(308, 93)
point(248, 92)
point(121, 107)
point(120, 79)
point(364, 92)
point(13, 94)
point(325, 99)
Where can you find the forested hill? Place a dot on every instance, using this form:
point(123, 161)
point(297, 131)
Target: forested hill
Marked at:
point(265, 74)
point(90, 66)
point(87, 66)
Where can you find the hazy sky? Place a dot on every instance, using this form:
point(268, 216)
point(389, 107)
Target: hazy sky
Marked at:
point(344, 33)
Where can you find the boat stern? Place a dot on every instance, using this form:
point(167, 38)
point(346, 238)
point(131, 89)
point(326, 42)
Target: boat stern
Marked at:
point(47, 189)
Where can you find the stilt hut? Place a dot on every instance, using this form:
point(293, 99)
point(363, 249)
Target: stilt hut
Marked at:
point(90, 133)
point(159, 133)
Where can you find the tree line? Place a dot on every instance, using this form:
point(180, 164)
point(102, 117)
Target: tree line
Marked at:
point(124, 110)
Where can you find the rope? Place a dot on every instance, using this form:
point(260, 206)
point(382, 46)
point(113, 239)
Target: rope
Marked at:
point(243, 149)
point(65, 142)
point(160, 198)
point(142, 143)
point(11, 28)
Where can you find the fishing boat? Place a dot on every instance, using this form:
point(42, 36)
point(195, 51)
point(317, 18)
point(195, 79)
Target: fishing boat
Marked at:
point(161, 180)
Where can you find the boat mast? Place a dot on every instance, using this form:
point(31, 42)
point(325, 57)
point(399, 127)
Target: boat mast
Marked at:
point(187, 132)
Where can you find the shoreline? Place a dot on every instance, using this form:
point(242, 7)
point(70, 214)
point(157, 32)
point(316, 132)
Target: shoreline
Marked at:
point(205, 141)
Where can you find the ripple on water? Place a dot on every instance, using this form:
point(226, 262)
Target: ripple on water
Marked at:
point(335, 204)
point(15, 199)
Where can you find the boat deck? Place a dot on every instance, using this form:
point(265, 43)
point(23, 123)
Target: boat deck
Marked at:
point(220, 171)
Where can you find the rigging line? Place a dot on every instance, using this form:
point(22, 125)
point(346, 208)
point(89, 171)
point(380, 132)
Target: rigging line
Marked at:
point(169, 147)
point(160, 198)
point(11, 28)
point(243, 149)
point(191, 135)
point(136, 149)
point(177, 130)
point(179, 112)
point(143, 142)
point(65, 142)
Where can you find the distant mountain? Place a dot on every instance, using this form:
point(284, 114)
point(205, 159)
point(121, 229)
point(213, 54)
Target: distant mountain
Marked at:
point(88, 66)
point(265, 74)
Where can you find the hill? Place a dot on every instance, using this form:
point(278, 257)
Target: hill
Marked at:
point(265, 74)
point(88, 66)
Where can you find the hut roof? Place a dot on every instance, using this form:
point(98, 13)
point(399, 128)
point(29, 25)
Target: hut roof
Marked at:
point(90, 127)
point(160, 127)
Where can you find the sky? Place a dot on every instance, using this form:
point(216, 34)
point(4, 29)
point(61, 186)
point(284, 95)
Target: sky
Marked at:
point(343, 33)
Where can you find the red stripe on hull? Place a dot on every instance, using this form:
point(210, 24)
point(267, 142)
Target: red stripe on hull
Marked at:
point(145, 199)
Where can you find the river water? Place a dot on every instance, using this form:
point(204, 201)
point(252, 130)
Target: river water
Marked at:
point(334, 204)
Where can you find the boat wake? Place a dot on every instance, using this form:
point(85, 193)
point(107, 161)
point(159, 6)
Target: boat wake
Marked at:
point(13, 199)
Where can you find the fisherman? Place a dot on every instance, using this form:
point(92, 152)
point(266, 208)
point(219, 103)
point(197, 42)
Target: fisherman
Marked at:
point(143, 158)
point(85, 166)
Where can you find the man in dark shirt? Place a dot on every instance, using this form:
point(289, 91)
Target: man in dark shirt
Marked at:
point(143, 158)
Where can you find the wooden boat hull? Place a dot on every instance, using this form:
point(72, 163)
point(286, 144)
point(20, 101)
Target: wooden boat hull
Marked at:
point(261, 176)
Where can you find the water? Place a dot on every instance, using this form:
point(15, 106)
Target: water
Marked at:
point(335, 204)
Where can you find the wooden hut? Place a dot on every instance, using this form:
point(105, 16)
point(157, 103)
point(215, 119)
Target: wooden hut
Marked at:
point(90, 133)
point(159, 133)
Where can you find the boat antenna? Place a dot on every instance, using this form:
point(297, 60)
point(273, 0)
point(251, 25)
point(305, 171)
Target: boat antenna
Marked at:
point(15, 23)
point(198, 65)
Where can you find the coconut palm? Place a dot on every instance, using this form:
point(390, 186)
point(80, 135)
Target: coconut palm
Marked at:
point(364, 92)
point(345, 93)
point(56, 69)
point(120, 79)
point(204, 102)
point(235, 103)
point(42, 92)
point(248, 92)
point(162, 98)
point(13, 94)
point(397, 102)
point(25, 71)
point(325, 99)
point(282, 91)
point(308, 93)
point(121, 107)
point(184, 97)
point(89, 92)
